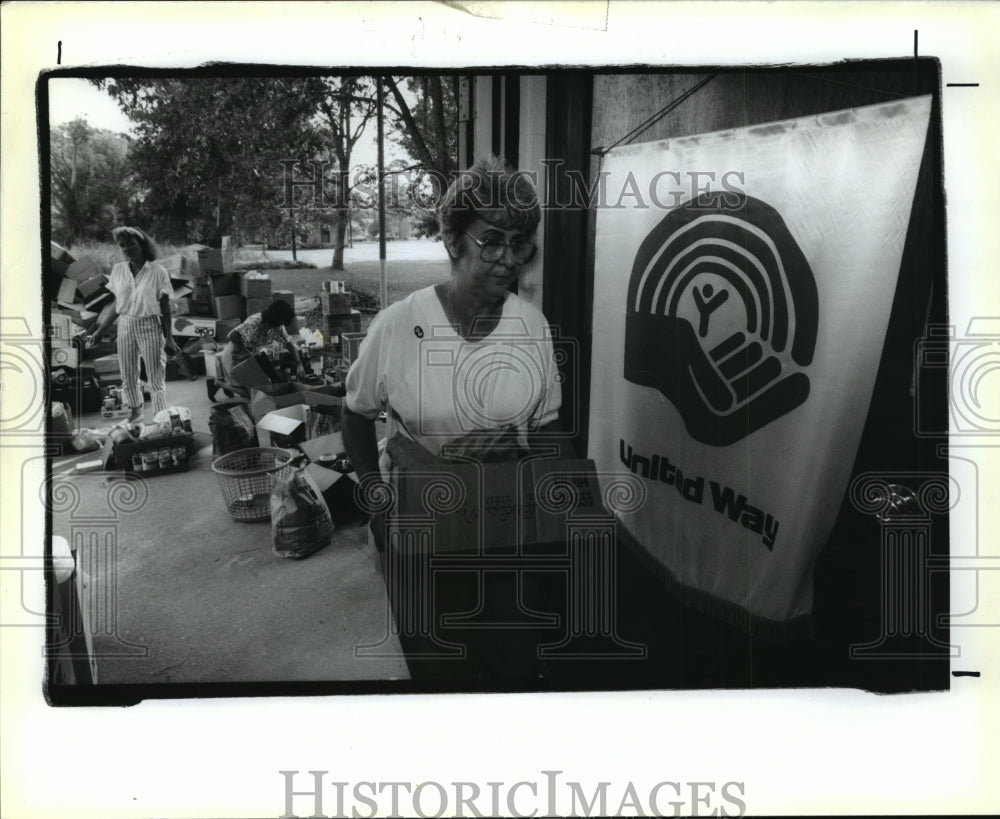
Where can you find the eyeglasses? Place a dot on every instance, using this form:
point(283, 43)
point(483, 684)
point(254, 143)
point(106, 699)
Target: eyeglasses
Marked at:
point(491, 250)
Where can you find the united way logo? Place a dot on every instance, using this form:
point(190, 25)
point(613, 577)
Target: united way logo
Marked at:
point(721, 316)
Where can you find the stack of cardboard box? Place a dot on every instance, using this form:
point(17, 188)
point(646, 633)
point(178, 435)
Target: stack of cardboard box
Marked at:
point(338, 316)
point(77, 288)
point(256, 289)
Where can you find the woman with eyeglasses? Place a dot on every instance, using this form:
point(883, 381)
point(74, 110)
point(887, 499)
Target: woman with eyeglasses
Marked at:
point(465, 362)
point(467, 355)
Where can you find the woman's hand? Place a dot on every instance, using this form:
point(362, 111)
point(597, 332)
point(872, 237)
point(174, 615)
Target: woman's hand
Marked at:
point(170, 347)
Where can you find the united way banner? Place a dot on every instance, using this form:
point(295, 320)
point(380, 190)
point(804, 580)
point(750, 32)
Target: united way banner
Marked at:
point(743, 285)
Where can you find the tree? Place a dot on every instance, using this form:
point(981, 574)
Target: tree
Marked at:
point(92, 186)
point(427, 126)
point(426, 130)
point(210, 150)
point(347, 104)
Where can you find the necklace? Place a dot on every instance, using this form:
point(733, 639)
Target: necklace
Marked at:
point(473, 328)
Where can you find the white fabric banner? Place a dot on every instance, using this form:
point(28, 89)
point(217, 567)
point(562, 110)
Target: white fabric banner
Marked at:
point(742, 290)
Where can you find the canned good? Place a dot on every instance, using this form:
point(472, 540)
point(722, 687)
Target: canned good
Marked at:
point(150, 461)
point(137, 465)
point(163, 457)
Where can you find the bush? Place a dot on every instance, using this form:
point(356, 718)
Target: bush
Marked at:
point(273, 264)
point(107, 254)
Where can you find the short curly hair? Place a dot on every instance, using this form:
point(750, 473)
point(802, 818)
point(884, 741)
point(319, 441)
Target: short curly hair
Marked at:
point(149, 249)
point(492, 191)
point(277, 313)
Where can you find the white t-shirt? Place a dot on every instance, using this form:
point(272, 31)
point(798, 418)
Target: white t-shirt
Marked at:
point(414, 365)
point(139, 295)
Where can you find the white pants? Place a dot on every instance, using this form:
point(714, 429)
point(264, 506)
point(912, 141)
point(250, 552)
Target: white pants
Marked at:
point(142, 337)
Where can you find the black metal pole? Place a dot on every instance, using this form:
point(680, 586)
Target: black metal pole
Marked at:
point(383, 288)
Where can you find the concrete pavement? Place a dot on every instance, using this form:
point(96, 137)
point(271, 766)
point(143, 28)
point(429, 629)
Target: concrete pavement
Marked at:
point(180, 593)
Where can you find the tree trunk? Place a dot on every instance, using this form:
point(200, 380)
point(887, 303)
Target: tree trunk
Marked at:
point(339, 232)
point(341, 212)
point(440, 137)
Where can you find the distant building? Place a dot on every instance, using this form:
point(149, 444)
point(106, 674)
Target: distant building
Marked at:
point(395, 228)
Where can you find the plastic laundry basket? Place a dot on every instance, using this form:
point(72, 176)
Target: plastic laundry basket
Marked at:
point(246, 478)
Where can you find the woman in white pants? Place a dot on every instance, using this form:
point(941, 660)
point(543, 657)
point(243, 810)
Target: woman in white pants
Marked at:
point(142, 292)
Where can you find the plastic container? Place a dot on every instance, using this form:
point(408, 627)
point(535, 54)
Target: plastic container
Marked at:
point(246, 478)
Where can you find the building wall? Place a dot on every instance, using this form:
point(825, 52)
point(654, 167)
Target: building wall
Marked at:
point(735, 99)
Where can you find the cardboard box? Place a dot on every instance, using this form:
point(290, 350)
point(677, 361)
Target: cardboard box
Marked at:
point(257, 305)
point(67, 291)
point(62, 331)
point(84, 268)
point(201, 292)
point(335, 304)
point(106, 364)
point(284, 295)
point(223, 284)
point(284, 428)
point(256, 288)
point(337, 489)
point(89, 287)
point(255, 372)
point(119, 456)
point(216, 260)
point(176, 266)
point(61, 259)
point(270, 397)
point(229, 307)
point(351, 344)
point(335, 325)
point(201, 300)
point(65, 357)
point(499, 513)
point(79, 314)
point(193, 326)
point(181, 307)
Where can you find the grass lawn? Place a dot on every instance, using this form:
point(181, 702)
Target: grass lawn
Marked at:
point(403, 277)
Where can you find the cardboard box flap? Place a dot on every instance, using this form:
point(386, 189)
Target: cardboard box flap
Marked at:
point(332, 444)
point(182, 288)
point(268, 397)
point(284, 421)
point(325, 478)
